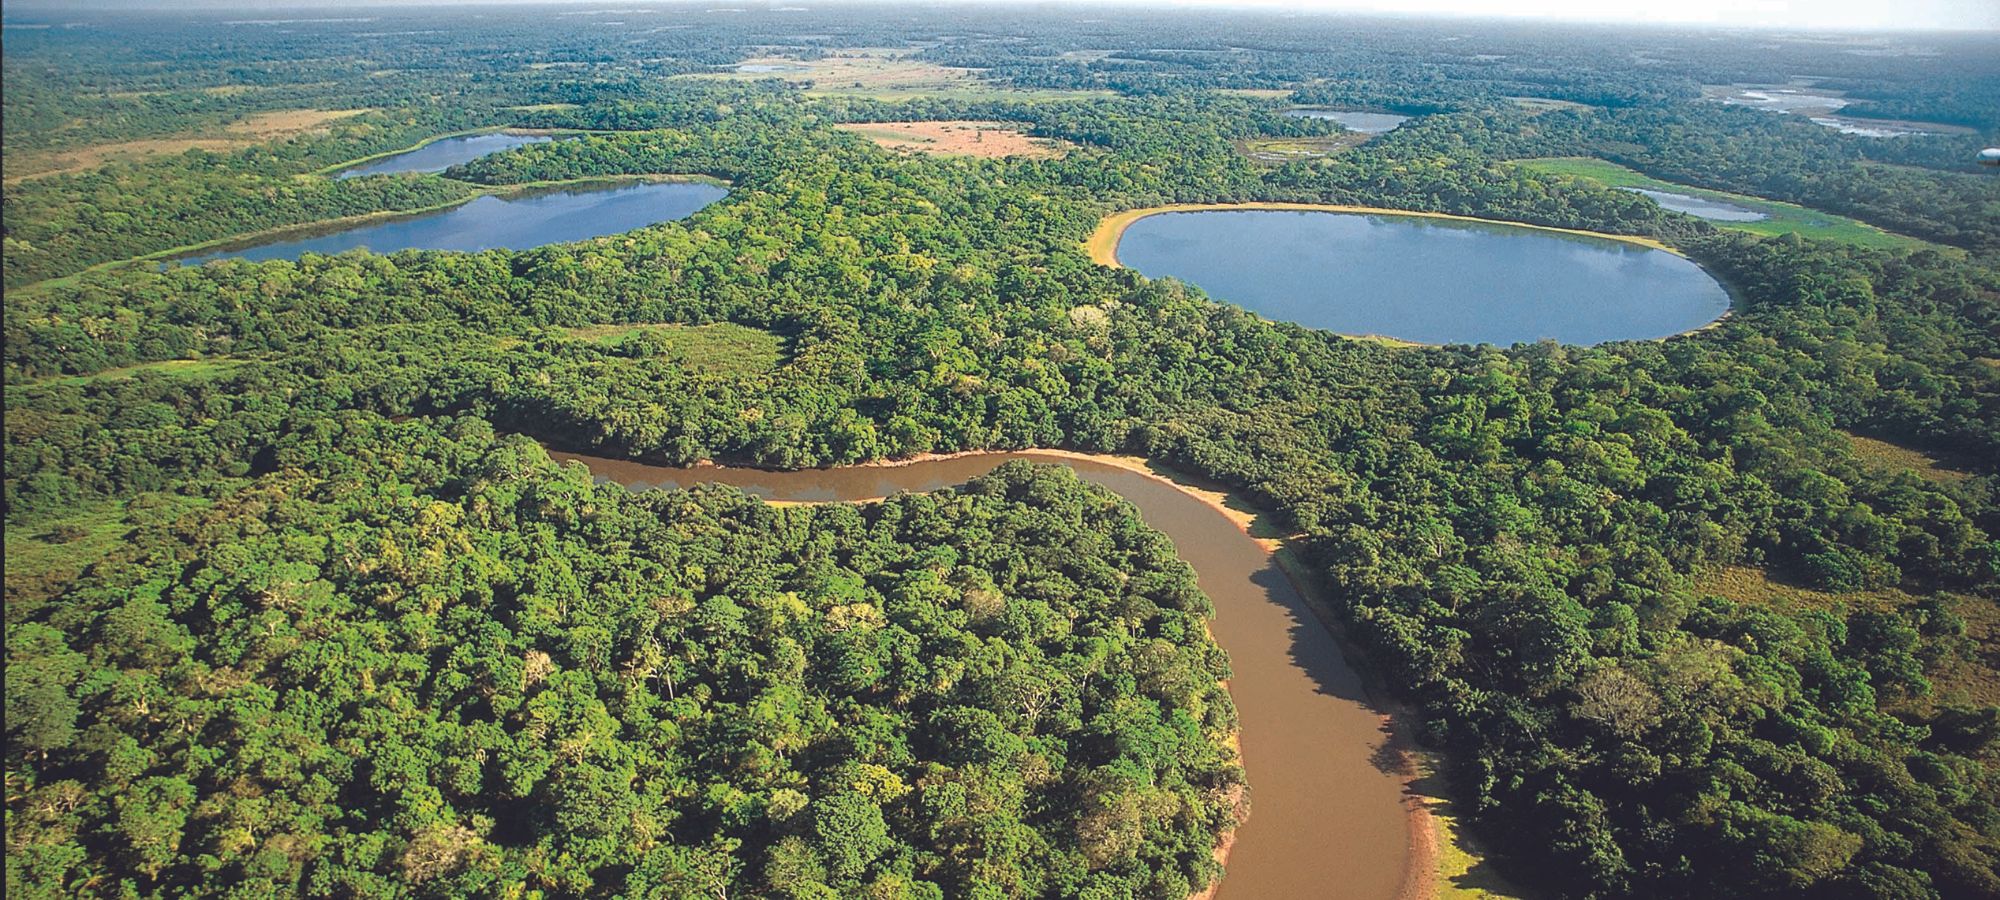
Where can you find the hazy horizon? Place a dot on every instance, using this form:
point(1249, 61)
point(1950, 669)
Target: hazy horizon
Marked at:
point(1828, 15)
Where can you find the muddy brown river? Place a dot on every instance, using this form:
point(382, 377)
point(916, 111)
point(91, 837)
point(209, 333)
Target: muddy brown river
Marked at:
point(1327, 817)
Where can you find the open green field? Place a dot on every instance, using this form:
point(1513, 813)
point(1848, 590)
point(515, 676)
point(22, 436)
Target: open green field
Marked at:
point(888, 73)
point(180, 368)
point(1884, 455)
point(1785, 218)
point(58, 549)
point(723, 348)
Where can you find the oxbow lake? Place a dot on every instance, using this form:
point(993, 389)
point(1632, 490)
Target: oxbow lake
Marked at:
point(440, 155)
point(514, 223)
point(1434, 281)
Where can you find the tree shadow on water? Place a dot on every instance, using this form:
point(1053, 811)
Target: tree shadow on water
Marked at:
point(1314, 650)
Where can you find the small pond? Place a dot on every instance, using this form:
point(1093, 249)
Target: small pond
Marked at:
point(1435, 281)
point(515, 223)
point(1700, 207)
point(1364, 122)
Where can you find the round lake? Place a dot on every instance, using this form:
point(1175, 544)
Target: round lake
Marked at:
point(514, 223)
point(440, 155)
point(1435, 281)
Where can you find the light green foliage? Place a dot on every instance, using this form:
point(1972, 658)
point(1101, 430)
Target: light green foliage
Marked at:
point(1781, 218)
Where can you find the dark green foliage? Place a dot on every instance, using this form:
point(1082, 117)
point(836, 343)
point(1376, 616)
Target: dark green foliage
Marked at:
point(467, 668)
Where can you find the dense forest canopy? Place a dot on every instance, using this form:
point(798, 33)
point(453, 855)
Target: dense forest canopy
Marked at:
point(295, 605)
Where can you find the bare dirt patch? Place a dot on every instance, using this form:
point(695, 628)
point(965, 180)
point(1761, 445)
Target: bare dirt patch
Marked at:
point(960, 137)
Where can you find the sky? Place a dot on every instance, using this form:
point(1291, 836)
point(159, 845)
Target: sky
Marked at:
point(1869, 15)
point(1839, 14)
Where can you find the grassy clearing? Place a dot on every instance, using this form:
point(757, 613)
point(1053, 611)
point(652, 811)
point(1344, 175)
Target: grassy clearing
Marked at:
point(176, 368)
point(247, 131)
point(46, 554)
point(723, 348)
point(280, 123)
point(1784, 218)
point(1975, 681)
point(885, 73)
point(1884, 455)
point(960, 137)
point(1463, 872)
point(1750, 584)
point(1539, 105)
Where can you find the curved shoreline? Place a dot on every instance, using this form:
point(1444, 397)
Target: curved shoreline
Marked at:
point(344, 223)
point(267, 235)
point(469, 132)
point(1102, 245)
point(1421, 874)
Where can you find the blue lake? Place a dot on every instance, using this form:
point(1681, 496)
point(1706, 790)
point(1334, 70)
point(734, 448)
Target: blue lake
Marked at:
point(1433, 281)
point(440, 155)
point(515, 223)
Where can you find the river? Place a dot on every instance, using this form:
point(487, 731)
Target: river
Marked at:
point(1328, 816)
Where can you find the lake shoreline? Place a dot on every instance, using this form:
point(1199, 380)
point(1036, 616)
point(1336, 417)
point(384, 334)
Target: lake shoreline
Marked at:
point(1102, 245)
point(345, 223)
point(339, 167)
point(1102, 248)
point(268, 235)
point(1421, 876)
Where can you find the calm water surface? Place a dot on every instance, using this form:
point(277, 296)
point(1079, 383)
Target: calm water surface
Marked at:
point(1821, 109)
point(1700, 207)
point(1364, 122)
point(1429, 280)
point(1326, 821)
point(515, 223)
point(440, 155)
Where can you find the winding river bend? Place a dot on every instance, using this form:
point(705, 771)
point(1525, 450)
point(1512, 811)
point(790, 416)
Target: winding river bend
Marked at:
point(1328, 819)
